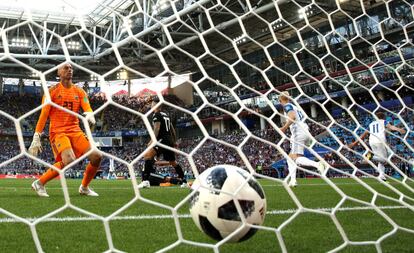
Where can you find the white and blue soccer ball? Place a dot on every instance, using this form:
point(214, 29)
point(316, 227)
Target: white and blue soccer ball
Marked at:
point(215, 212)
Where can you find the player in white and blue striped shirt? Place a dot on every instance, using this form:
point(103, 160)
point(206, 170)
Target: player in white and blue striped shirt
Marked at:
point(299, 137)
point(378, 141)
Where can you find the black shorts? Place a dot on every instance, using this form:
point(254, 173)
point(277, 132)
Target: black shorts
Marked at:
point(167, 155)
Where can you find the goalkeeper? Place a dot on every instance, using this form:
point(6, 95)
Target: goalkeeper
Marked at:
point(67, 140)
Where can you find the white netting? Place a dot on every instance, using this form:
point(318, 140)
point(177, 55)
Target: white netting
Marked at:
point(326, 53)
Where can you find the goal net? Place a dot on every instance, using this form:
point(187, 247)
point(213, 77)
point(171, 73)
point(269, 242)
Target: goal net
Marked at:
point(220, 70)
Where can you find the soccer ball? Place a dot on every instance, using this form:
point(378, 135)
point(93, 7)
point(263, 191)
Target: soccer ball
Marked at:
point(215, 213)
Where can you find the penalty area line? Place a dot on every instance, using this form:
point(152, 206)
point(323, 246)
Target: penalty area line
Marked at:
point(186, 216)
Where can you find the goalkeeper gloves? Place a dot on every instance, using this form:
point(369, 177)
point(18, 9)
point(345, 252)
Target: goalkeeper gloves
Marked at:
point(90, 117)
point(36, 147)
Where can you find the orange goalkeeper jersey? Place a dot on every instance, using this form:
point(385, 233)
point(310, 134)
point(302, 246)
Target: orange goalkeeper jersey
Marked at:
point(73, 99)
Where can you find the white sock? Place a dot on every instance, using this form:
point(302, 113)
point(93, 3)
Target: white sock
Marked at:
point(381, 169)
point(303, 161)
point(292, 170)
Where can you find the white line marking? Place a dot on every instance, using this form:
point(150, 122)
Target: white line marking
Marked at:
point(278, 184)
point(186, 216)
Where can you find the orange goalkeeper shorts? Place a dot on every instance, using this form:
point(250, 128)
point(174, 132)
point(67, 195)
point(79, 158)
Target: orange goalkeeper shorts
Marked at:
point(77, 141)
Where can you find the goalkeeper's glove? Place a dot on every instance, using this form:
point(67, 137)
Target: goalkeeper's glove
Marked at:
point(36, 147)
point(90, 117)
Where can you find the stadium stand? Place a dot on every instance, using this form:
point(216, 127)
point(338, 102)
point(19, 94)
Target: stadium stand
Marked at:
point(266, 158)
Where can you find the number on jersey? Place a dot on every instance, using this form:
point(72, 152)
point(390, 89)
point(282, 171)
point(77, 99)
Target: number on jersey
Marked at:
point(167, 123)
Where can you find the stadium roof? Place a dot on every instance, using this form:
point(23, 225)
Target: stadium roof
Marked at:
point(94, 12)
point(154, 25)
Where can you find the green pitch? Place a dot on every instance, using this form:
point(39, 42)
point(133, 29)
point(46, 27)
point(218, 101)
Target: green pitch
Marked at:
point(144, 227)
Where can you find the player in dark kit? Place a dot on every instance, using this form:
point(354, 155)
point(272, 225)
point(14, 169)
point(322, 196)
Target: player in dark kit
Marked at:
point(165, 134)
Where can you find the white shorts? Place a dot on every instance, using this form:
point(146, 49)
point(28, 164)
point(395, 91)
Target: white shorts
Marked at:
point(379, 151)
point(298, 143)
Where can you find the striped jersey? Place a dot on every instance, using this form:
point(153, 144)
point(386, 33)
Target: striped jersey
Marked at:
point(299, 126)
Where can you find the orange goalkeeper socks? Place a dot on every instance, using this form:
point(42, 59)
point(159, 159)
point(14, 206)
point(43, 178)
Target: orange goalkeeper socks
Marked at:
point(50, 173)
point(89, 174)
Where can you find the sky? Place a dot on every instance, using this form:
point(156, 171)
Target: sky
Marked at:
point(54, 6)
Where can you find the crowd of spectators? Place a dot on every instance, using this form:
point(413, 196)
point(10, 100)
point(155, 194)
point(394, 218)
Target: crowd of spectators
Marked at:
point(260, 154)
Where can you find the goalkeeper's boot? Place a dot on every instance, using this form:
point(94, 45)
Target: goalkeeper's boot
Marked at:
point(39, 188)
point(383, 178)
point(144, 184)
point(87, 191)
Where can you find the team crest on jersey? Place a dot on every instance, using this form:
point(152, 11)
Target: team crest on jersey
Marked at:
point(76, 97)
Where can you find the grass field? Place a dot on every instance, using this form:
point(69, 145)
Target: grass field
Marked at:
point(147, 228)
